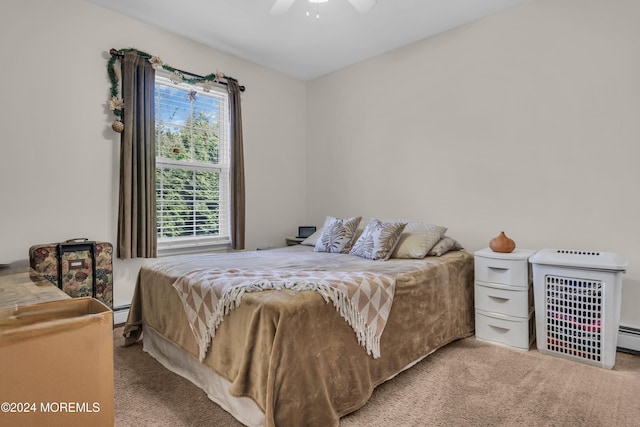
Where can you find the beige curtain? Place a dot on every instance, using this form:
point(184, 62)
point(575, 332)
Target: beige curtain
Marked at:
point(137, 204)
point(237, 167)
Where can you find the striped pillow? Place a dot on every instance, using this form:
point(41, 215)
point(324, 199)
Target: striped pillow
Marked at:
point(417, 239)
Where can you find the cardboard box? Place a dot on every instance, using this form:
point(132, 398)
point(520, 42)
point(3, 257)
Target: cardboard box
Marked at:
point(56, 364)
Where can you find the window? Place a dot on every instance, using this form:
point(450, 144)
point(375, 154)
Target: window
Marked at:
point(192, 166)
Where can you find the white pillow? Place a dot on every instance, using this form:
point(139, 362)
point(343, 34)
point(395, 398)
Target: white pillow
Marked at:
point(337, 235)
point(378, 240)
point(313, 239)
point(417, 239)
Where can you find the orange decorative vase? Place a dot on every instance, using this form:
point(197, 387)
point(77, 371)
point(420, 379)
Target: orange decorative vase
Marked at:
point(502, 244)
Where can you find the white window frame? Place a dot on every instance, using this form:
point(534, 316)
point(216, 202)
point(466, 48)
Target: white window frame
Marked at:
point(196, 244)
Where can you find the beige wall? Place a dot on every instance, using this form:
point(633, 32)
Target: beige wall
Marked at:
point(59, 157)
point(527, 121)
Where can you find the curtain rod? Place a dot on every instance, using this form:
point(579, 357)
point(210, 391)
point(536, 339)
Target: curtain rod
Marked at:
point(119, 54)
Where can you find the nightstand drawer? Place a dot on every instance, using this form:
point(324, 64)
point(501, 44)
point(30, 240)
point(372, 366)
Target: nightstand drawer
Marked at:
point(514, 333)
point(516, 302)
point(504, 271)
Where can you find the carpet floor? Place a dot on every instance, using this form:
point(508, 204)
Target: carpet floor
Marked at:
point(467, 383)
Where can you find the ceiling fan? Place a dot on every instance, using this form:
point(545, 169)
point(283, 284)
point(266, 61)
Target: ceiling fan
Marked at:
point(362, 6)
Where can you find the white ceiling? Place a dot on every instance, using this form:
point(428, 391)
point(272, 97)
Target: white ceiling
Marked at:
point(301, 46)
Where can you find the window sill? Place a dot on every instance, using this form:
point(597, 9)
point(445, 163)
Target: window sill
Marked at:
point(192, 246)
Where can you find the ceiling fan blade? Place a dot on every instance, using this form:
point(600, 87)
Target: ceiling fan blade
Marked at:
point(363, 6)
point(281, 6)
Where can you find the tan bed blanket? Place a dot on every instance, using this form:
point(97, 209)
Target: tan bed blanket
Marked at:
point(363, 299)
point(290, 351)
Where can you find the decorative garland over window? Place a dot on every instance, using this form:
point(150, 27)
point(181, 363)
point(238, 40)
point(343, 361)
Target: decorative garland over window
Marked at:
point(116, 103)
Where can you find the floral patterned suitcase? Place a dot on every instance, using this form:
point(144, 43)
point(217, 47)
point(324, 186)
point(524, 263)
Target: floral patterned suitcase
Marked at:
point(79, 267)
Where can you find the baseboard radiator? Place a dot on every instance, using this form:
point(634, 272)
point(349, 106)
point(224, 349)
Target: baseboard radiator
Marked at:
point(120, 314)
point(629, 339)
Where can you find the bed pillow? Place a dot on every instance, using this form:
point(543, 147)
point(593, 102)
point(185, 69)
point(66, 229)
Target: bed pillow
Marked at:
point(313, 239)
point(444, 245)
point(378, 240)
point(361, 228)
point(337, 235)
point(417, 239)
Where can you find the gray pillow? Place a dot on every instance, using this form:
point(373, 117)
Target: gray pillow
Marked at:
point(444, 245)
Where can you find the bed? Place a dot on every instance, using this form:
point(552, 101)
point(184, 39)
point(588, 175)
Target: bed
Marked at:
point(285, 357)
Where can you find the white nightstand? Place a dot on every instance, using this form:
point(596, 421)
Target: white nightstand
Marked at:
point(504, 298)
